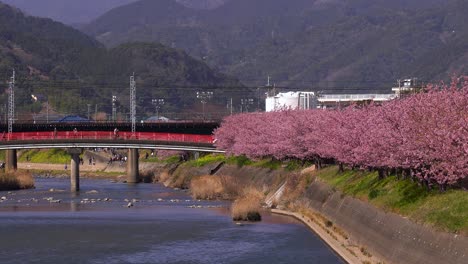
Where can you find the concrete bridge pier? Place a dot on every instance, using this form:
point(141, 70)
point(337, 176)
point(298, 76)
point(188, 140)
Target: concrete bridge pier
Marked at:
point(132, 166)
point(75, 169)
point(11, 160)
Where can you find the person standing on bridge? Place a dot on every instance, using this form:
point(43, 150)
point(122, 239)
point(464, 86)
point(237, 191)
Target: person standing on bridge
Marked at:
point(75, 132)
point(55, 132)
point(116, 133)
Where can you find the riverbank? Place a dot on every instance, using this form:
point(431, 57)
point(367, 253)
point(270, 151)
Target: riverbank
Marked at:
point(331, 240)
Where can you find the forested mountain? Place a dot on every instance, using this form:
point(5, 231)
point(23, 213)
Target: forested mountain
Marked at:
point(73, 70)
point(324, 44)
point(84, 11)
point(202, 4)
point(67, 11)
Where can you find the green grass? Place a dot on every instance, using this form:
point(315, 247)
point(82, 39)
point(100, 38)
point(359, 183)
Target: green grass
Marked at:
point(446, 211)
point(268, 164)
point(172, 160)
point(240, 161)
point(208, 159)
point(52, 156)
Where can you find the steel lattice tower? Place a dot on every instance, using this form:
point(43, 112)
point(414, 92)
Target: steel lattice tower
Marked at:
point(133, 102)
point(11, 104)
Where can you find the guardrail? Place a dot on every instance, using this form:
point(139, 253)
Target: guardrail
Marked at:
point(355, 97)
point(106, 135)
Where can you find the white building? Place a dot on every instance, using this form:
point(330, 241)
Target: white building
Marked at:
point(291, 100)
point(406, 86)
point(309, 100)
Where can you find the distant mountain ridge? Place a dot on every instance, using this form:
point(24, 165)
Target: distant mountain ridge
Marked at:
point(74, 12)
point(312, 43)
point(67, 11)
point(203, 4)
point(75, 69)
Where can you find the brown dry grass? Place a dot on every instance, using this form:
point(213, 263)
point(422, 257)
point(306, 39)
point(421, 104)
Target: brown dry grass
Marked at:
point(207, 187)
point(164, 178)
point(247, 208)
point(16, 181)
point(233, 187)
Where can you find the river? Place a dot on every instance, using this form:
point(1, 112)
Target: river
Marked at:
point(97, 226)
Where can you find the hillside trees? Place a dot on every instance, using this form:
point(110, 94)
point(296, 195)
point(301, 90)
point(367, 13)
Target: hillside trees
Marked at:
point(424, 135)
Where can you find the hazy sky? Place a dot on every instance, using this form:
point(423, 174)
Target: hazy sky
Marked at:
point(67, 11)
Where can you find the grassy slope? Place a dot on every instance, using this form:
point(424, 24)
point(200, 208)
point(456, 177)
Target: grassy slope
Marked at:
point(447, 211)
point(243, 161)
point(52, 156)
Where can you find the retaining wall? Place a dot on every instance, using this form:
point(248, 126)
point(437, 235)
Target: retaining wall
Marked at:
point(390, 236)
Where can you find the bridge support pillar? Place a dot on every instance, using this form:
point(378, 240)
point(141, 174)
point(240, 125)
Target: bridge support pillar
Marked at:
point(132, 166)
point(75, 169)
point(11, 160)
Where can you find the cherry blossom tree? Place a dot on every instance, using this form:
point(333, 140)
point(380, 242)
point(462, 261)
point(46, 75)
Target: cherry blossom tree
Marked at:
point(425, 134)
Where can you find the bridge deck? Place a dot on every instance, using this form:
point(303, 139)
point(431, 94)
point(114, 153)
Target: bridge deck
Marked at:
point(106, 135)
point(92, 139)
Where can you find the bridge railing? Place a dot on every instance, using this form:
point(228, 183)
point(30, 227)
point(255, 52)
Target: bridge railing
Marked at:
point(105, 135)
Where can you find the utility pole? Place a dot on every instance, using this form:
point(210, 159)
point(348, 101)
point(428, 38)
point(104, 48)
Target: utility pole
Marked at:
point(89, 111)
point(246, 103)
point(95, 113)
point(158, 103)
point(48, 111)
point(114, 108)
point(204, 97)
point(229, 105)
point(11, 104)
point(133, 102)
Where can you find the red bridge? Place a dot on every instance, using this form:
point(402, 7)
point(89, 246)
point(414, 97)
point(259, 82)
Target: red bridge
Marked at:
point(186, 136)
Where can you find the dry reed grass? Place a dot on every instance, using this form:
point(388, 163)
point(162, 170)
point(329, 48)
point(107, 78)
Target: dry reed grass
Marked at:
point(16, 180)
point(233, 187)
point(247, 208)
point(207, 187)
point(164, 178)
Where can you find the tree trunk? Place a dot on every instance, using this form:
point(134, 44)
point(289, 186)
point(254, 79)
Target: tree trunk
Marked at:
point(442, 187)
point(406, 174)
point(426, 184)
point(381, 174)
point(341, 167)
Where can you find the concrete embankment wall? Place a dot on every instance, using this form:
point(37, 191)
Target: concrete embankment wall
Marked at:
point(264, 178)
point(391, 236)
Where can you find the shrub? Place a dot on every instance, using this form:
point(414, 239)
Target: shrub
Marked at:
point(246, 208)
point(16, 181)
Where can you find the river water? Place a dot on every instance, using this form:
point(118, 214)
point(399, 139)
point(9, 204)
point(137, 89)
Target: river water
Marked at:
point(97, 226)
